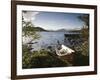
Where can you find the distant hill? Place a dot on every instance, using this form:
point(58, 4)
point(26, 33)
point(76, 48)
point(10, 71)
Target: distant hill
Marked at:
point(61, 30)
point(39, 29)
point(75, 30)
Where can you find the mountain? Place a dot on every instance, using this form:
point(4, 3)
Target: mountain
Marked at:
point(39, 29)
point(59, 30)
point(62, 30)
point(71, 30)
point(75, 30)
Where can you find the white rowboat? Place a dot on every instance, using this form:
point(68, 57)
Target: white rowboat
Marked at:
point(64, 51)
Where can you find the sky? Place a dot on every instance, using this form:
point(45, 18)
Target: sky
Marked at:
point(54, 20)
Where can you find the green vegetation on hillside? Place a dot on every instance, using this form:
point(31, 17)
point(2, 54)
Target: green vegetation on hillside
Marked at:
point(40, 59)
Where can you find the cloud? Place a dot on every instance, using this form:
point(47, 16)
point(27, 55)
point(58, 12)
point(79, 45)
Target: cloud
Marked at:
point(29, 15)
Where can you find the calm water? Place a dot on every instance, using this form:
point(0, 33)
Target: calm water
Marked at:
point(49, 39)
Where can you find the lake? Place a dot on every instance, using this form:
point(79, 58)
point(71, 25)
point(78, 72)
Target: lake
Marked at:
point(50, 39)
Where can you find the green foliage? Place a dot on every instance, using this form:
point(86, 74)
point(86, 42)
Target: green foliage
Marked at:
point(28, 30)
point(84, 47)
point(85, 33)
point(26, 56)
point(40, 59)
point(81, 57)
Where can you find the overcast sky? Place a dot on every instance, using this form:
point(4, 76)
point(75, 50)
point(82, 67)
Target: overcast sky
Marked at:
point(54, 20)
